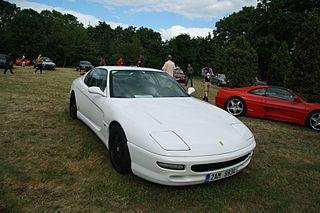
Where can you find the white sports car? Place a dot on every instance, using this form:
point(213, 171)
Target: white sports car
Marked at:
point(154, 129)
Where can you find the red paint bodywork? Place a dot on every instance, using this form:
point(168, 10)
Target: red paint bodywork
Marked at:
point(19, 62)
point(260, 106)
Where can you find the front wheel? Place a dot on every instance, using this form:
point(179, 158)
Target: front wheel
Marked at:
point(235, 106)
point(119, 152)
point(314, 121)
point(73, 106)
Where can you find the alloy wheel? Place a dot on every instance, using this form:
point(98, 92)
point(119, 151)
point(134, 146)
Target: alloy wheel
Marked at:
point(315, 121)
point(235, 107)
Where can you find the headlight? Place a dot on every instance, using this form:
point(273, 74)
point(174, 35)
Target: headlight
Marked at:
point(170, 141)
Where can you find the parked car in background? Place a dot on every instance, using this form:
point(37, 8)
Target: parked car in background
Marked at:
point(4, 60)
point(269, 102)
point(86, 65)
point(219, 79)
point(47, 63)
point(20, 61)
point(179, 75)
point(259, 82)
point(153, 128)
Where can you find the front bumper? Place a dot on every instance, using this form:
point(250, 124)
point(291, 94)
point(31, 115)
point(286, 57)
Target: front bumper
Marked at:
point(143, 164)
point(48, 66)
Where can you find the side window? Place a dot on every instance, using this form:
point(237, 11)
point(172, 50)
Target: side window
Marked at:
point(88, 78)
point(261, 91)
point(98, 78)
point(279, 93)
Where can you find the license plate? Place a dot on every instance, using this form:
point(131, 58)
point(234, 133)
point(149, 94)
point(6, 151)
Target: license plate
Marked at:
point(220, 175)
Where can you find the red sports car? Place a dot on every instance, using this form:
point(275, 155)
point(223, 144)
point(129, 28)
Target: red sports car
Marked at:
point(269, 102)
point(20, 61)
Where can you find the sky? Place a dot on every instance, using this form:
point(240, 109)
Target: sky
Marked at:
point(168, 17)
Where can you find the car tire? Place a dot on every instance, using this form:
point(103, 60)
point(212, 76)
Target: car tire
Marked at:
point(313, 120)
point(118, 150)
point(236, 106)
point(73, 106)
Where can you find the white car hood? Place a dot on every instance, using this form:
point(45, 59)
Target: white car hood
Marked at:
point(204, 128)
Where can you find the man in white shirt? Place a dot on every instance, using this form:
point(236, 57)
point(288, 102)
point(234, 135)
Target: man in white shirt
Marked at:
point(169, 66)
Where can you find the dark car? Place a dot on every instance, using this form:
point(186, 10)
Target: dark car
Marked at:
point(219, 79)
point(86, 65)
point(4, 60)
point(179, 75)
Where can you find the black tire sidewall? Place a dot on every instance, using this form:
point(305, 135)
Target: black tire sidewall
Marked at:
point(308, 123)
point(72, 111)
point(124, 166)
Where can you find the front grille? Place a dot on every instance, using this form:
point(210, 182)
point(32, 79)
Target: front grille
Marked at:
point(215, 166)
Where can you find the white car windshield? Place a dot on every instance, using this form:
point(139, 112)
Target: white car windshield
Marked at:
point(144, 84)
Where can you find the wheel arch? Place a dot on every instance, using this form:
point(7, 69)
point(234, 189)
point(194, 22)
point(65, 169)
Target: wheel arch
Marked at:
point(113, 124)
point(306, 123)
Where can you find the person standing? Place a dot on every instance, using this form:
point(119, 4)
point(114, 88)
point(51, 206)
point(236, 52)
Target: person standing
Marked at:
point(103, 61)
point(190, 72)
point(169, 66)
point(8, 64)
point(206, 73)
point(23, 59)
point(140, 62)
point(39, 61)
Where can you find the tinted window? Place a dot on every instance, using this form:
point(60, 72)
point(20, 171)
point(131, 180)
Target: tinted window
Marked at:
point(88, 78)
point(144, 84)
point(97, 78)
point(279, 93)
point(260, 91)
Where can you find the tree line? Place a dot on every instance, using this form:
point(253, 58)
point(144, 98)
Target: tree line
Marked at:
point(276, 41)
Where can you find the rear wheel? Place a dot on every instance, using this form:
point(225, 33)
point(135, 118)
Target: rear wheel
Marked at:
point(73, 106)
point(118, 149)
point(235, 106)
point(314, 120)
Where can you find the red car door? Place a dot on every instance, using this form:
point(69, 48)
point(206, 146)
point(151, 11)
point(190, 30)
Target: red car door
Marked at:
point(255, 101)
point(280, 105)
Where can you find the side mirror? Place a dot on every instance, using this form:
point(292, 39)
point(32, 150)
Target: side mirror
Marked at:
point(297, 100)
point(191, 90)
point(96, 90)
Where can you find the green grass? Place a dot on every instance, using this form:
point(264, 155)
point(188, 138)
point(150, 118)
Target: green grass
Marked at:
point(49, 162)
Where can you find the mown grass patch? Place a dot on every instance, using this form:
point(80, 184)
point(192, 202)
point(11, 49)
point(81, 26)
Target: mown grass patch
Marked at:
point(49, 162)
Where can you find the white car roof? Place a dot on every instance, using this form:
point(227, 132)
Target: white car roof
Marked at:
point(124, 68)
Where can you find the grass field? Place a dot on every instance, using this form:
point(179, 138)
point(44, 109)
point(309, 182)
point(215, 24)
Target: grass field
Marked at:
point(49, 162)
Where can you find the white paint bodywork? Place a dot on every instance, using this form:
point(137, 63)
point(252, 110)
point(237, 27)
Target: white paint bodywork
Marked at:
point(180, 130)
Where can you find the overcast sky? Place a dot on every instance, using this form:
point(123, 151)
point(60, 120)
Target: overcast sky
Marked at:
point(169, 17)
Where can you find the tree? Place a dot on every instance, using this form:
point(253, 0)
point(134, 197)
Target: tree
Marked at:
point(281, 63)
point(305, 77)
point(242, 63)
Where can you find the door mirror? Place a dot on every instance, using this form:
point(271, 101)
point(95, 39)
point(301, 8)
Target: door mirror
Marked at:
point(96, 90)
point(297, 100)
point(191, 90)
